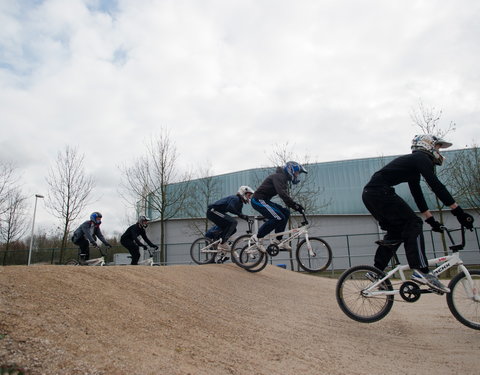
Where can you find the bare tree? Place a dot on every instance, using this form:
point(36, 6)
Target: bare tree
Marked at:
point(153, 183)
point(464, 172)
point(8, 181)
point(69, 190)
point(428, 120)
point(13, 224)
point(203, 191)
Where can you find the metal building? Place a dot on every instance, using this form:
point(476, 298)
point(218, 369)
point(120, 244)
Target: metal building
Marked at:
point(331, 192)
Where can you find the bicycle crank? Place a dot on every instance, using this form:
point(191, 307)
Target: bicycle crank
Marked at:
point(273, 250)
point(410, 291)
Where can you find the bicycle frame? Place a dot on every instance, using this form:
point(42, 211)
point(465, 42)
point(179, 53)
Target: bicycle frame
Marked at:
point(292, 234)
point(446, 262)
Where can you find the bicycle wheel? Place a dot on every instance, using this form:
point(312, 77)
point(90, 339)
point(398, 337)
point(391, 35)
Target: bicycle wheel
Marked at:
point(355, 303)
point(319, 260)
point(199, 254)
point(464, 299)
point(249, 257)
point(72, 262)
point(244, 256)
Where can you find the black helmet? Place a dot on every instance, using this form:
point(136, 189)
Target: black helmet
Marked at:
point(143, 221)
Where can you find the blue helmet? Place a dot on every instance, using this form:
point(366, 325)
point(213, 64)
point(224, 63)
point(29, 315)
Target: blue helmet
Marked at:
point(293, 169)
point(96, 217)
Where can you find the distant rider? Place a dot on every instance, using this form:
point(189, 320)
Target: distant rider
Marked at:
point(130, 239)
point(87, 234)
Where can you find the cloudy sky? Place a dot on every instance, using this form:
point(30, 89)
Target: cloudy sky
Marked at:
point(230, 79)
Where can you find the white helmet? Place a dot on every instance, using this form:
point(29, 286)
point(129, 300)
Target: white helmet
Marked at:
point(427, 143)
point(242, 192)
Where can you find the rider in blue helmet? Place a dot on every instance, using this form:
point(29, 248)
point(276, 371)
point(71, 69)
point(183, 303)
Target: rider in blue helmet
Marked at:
point(87, 233)
point(276, 215)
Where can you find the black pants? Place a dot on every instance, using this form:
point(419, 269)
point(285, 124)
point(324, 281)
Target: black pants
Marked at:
point(276, 215)
point(84, 248)
point(400, 222)
point(132, 248)
point(227, 223)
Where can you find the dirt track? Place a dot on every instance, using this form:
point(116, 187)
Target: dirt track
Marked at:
point(214, 319)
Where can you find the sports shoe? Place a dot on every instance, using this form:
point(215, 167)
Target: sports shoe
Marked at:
point(223, 247)
point(282, 246)
point(429, 279)
point(258, 243)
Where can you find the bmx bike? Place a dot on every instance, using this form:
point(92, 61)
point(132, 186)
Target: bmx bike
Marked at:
point(90, 262)
point(368, 301)
point(313, 254)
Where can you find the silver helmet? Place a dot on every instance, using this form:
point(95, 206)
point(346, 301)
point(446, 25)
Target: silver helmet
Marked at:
point(243, 191)
point(430, 144)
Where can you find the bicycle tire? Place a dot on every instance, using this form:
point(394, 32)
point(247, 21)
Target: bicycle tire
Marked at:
point(319, 261)
point(356, 305)
point(201, 257)
point(460, 300)
point(252, 260)
point(72, 262)
point(257, 266)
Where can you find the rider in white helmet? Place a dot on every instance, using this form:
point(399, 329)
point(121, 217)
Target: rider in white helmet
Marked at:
point(225, 223)
point(397, 218)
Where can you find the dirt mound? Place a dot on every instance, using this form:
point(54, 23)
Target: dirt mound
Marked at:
point(214, 319)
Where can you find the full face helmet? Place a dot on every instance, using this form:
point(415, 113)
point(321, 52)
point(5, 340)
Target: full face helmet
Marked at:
point(96, 217)
point(143, 221)
point(293, 170)
point(430, 144)
point(243, 191)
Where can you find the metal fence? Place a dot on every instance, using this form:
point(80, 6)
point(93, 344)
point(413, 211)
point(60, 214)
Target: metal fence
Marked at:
point(348, 250)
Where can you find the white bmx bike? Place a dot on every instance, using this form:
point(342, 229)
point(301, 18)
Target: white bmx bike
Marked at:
point(368, 301)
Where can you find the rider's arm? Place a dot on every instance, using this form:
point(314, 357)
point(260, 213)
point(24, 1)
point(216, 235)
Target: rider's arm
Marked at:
point(145, 238)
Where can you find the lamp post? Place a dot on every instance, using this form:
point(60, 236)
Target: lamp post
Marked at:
point(33, 227)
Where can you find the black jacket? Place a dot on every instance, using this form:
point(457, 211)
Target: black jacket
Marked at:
point(276, 183)
point(409, 168)
point(132, 234)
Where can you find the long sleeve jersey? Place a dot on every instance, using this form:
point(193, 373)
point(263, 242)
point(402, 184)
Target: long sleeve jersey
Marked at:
point(409, 168)
point(232, 204)
point(133, 232)
point(276, 183)
point(90, 231)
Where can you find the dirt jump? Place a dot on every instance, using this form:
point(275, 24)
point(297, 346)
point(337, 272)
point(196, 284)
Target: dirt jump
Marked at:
point(214, 319)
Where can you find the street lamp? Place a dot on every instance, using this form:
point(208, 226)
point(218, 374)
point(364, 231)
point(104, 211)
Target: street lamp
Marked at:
point(33, 227)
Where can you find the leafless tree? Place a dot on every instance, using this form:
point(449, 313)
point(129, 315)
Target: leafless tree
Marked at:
point(153, 183)
point(13, 223)
point(464, 172)
point(428, 120)
point(8, 181)
point(203, 191)
point(69, 190)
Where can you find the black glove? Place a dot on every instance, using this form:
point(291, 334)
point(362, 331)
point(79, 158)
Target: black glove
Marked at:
point(436, 226)
point(244, 217)
point(144, 247)
point(463, 218)
point(297, 207)
point(155, 247)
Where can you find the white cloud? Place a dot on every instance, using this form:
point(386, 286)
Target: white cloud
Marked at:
point(338, 79)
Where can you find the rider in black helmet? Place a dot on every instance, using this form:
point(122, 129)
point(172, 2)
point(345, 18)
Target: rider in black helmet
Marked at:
point(130, 239)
